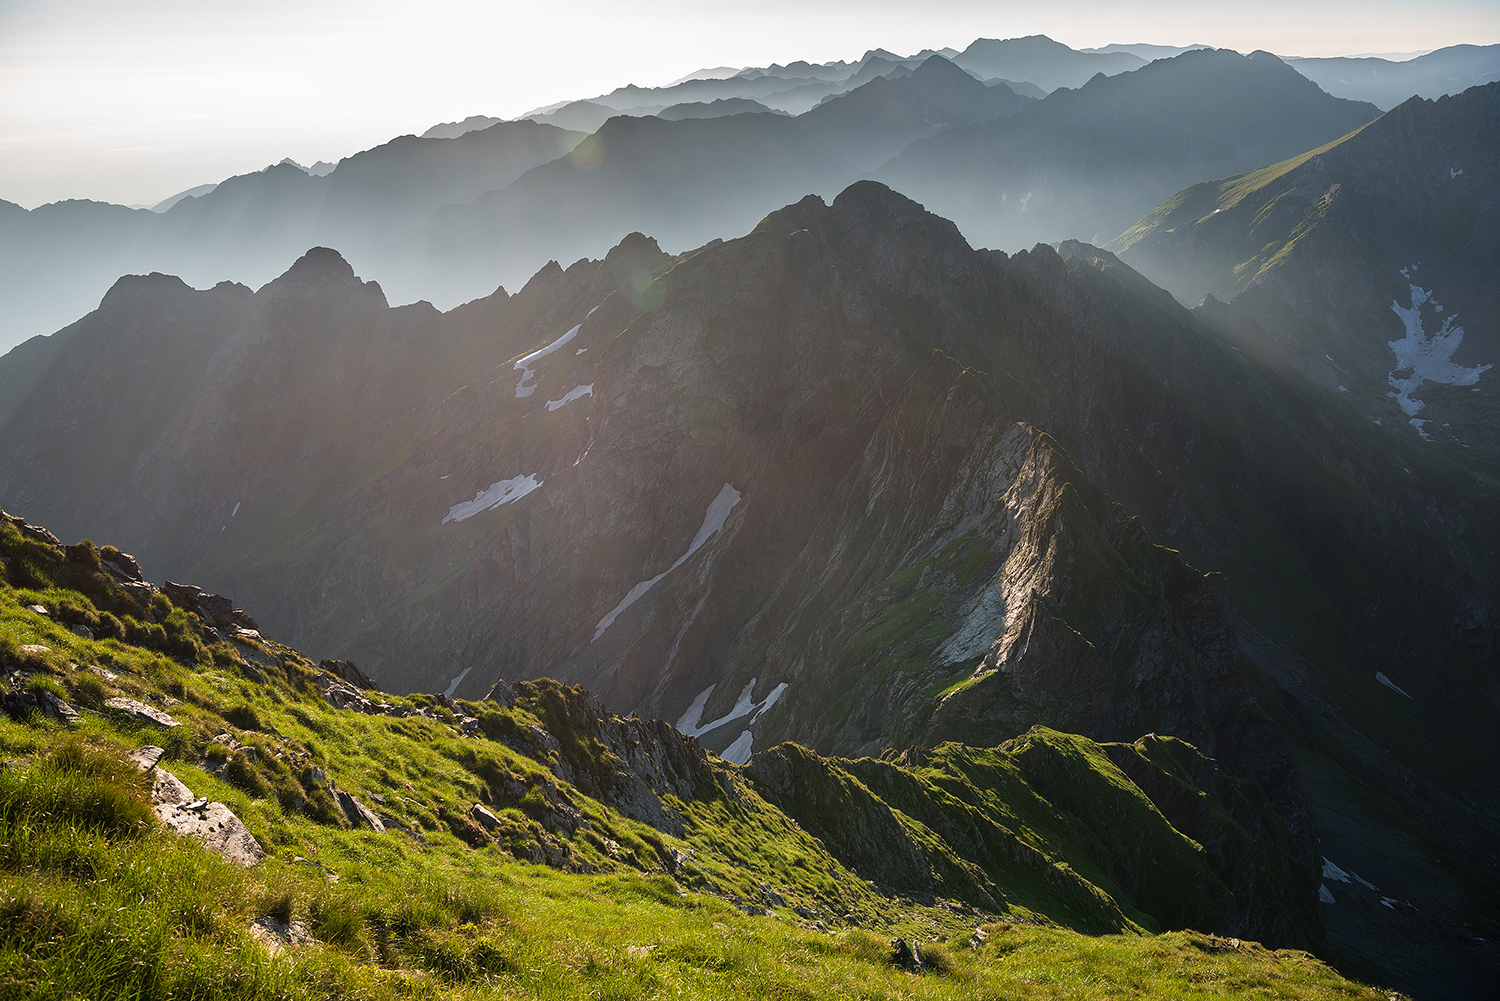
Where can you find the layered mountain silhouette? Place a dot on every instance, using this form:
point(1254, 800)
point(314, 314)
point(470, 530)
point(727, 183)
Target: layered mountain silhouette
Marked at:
point(1039, 60)
point(845, 480)
point(1093, 161)
point(57, 259)
point(1386, 83)
point(1370, 265)
point(1088, 163)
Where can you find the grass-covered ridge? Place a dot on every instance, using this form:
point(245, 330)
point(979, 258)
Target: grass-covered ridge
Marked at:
point(616, 859)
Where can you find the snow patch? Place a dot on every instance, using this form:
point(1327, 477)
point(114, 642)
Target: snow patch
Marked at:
point(502, 492)
point(570, 396)
point(1364, 882)
point(744, 706)
point(445, 476)
point(524, 364)
point(1025, 200)
point(1324, 896)
point(235, 511)
point(713, 520)
point(739, 752)
point(1427, 358)
point(1331, 871)
point(1389, 902)
point(1387, 682)
point(448, 693)
point(1455, 172)
point(689, 721)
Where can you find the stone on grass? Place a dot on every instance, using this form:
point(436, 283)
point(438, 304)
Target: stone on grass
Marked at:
point(359, 815)
point(484, 817)
point(141, 711)
point(275, 934)
point(145, 758)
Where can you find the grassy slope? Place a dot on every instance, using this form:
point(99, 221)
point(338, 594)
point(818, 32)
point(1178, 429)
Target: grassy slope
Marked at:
point(97, 900)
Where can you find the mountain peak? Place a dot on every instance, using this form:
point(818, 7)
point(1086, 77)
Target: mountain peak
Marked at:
point(320, 270)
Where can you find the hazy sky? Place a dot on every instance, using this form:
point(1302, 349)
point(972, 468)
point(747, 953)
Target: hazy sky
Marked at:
point(131, 102)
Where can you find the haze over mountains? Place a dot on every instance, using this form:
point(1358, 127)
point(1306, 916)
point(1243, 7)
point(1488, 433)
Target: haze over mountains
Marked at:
point(865, 405)
point(247, 231)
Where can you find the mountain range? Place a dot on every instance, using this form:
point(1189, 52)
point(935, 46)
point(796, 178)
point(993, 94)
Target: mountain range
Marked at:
point(844, 480)
point(60, 258)
point(1371, 266)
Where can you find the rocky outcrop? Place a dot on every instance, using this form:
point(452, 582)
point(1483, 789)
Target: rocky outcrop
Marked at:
point(214, 608)
point(215, 824)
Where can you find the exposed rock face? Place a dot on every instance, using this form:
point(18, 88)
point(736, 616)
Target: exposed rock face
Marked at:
point(212, 823)
point(213, 608)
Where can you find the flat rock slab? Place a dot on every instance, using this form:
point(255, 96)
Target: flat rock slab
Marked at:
point(141, 711)
point(35, 649)
point(276, 934)
point(145, 758)
point(216, 826)
point(167, 789)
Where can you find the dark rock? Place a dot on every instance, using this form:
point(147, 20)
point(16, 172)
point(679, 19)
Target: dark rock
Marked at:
point(348, 671)
point(359, 815)
point(907, 955)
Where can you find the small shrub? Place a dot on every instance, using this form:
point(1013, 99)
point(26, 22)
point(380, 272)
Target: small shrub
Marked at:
point(86, 690)
point(937, 959)
point(160, 607)
point(85, 553)
point(108, 627)
point(278, 904)
point(241, 774)
point(243, 717)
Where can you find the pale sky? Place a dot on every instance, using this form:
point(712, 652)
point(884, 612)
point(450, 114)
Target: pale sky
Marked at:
point(132, 102)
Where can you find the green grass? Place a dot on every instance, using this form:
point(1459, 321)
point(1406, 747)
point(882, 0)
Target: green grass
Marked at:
point(98, 900)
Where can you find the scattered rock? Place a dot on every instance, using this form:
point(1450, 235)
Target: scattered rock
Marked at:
point(20, 703)
point(484, 818)
point(101, 672)
point(145, 758)
point(38, 609)
point(639, 951)
point(82, 631)
point(347, 671)
point(57, 709)
point(141, 711)
point(276, 934)
point(907, 955)
point(34, 649)
point(212, 823)
point(166, 788)
point(359, 815)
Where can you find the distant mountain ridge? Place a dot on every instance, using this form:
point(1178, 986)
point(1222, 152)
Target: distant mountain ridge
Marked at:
point(1088, 163)
point(1371, 265)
